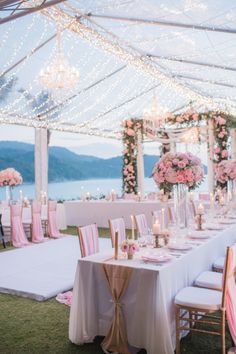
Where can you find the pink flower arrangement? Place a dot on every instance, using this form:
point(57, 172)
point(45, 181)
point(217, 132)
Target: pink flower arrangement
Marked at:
point(183, 168)
point(10, 177)
point(129, 246)
point(226, 171)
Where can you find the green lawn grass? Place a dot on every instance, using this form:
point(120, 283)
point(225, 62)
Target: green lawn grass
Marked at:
point(31, 327)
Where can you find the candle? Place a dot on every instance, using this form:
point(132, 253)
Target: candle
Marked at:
point(132, 223)
point(212, 201)
point(116, 244)
point(139, 196)
point(156, 228)
point(200, 209)
point(162, 218)
point(21, 195)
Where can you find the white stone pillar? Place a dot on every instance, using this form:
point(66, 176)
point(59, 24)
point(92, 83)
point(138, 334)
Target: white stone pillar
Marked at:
point(233, 143)
point(210, 155)
point(41, 161)
point(140, 166)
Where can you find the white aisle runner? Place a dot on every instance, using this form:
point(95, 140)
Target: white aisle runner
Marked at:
point(41, 271)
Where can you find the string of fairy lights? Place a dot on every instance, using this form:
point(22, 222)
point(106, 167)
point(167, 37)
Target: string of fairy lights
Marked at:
point(94, 110)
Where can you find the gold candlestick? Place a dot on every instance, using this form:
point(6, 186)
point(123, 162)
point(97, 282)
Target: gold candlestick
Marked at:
point(116, 244)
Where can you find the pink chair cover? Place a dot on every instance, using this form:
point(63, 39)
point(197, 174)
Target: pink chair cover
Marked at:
point(117, 225)
point(18, 235)
point(204, 196)
point(130, 196)
point(89, 240)
point(5, 203)
point(52, 223)
point(141, 224)
point(152, 196)
point(37, 230)
point(230, 295)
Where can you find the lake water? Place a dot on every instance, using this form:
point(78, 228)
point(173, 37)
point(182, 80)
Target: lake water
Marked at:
point(76, 189)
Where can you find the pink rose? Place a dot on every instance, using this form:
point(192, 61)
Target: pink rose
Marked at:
point(224, 153)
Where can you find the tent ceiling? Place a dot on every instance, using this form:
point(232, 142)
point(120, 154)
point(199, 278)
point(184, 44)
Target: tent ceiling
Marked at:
point(120, 61)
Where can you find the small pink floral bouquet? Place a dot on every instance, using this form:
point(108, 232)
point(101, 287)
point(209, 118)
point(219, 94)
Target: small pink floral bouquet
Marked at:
point(178, 168)
point(226, 171)
point(10, 177)
point(130, 247)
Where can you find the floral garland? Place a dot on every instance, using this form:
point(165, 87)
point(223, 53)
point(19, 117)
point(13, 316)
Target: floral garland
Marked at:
point(130, 152)
point(221, 121)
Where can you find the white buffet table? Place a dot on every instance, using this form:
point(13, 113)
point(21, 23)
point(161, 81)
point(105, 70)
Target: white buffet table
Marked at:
point(148, 301)
point(100, 211)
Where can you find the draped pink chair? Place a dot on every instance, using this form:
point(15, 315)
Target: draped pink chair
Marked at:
point(117, 225)
point(193, 305)
point(37, 230)
point(52, 221)
point(230, 298)
point(88, 239)
point(141, 224)
point(18, 235)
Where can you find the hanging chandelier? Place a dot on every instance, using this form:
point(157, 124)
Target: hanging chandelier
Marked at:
point(153, 119)
point(59, 74)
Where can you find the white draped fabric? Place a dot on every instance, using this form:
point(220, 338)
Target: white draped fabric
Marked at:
point(148, 303)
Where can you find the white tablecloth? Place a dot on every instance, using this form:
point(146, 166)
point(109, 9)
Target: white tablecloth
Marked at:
point(83, 213)
point(148, 302)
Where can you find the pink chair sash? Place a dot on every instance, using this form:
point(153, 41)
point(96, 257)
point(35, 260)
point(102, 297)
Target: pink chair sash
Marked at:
point(52, 222)
point(89, 240)
point(37, 230)
point(117, 225)
point(141, 223)
point(18, 235)
point(230, 293)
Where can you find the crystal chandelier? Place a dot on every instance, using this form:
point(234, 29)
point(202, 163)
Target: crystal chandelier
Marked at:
point(59, 74)
point(153, 119)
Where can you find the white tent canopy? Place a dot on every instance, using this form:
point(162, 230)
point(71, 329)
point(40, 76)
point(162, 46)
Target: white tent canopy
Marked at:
point(123, 50)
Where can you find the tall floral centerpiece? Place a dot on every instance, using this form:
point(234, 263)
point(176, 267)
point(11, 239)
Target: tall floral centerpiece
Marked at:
point(225, 174)
point(10, 178)
point(180, 171)
point(179, 168)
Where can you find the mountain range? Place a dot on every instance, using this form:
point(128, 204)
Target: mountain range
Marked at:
point(63, 163)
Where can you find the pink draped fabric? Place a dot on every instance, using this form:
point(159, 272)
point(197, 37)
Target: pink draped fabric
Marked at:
point(52, 222)
point(37, 230)
point(141, 224)
point(117, 225)
point(18, 235)
point(88, 236)
point(230, 297)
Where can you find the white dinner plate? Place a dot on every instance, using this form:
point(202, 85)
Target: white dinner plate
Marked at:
point(179, 246)
point(198, 235)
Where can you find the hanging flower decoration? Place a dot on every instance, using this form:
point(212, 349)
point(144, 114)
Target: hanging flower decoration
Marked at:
point(10, 177)
point(130, 142)
point(179, 168)
point(221, 123)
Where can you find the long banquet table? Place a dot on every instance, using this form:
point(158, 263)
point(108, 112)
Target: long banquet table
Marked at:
point(148, 302)
point(100, 211)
